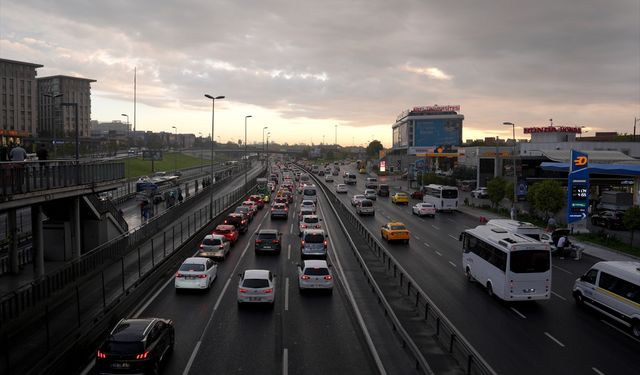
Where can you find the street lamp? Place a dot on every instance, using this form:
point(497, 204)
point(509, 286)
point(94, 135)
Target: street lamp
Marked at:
point(175, 152)
point(53, 124)
point(263, 129)
point(268, 134)
point(128, 126)
point(336, 135)
point(246, 159)
point(213, 105)
point(513, 155)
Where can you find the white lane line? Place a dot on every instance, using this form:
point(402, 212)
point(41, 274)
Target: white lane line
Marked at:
point(557, 295)
point(437, 252)
point(518, 312)
point(226, 285)
point(285, 361)
point(89, 367)
point(426, 244)
point(155, 295)
point(453, 237)
point(451, 220)
point(597, 371)
point(192, 358)
point(563, 270)
point(417, 238)
point(619, 330)
point(554, 339)
point(451, 263)
point(289, 251)
point(291, 229)
point(434, 227)
point(286, 294)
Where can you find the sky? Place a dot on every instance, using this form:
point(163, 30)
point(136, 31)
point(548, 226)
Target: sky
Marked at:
point(302, 67)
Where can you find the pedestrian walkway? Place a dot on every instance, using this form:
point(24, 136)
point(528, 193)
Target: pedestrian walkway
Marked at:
point(594, 250)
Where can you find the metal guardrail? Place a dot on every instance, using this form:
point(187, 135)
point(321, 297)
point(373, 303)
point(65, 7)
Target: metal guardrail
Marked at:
point(449, 336)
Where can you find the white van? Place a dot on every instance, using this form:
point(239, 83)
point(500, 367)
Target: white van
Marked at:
point(309, 192)
point(518, 227)
point(613, 288)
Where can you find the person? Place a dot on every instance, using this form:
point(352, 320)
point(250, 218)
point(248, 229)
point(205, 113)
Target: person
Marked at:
point(4, 153)
point(513, 212)
point(563, 246)
point(18, 154)
point(42, 154)
point(551, 224)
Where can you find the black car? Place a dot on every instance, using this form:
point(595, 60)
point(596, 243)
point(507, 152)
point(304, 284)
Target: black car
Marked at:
point(609, 219)
point(240, 221)
point(136, 346)
point(268, 240)
point(383, 190)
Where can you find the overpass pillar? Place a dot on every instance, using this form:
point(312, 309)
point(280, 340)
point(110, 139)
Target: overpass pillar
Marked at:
point(636, 191)
point(37, 235)
point(13, 241)
point(75, 229)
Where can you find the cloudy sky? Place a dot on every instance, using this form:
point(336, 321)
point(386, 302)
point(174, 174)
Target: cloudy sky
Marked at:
point(302, 67)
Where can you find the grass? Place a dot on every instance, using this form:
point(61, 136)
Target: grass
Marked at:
point(608, 241)
point(136, 167)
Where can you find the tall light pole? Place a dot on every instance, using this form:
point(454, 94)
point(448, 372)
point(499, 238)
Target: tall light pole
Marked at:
point(263, 129)
point(213, 106)
point(268, 134)
point(175, 152)
point(246, 159)
point(515, 179)
point(128, 125)
point(336, 134)
point(53, 124)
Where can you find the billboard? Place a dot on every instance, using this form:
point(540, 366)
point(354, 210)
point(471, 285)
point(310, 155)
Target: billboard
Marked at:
point(438, 132)
point(400, 138)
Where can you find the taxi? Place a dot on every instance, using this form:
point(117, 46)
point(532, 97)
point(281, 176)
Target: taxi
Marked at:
point(395, 231)
point(362, 171)
point(400, 198)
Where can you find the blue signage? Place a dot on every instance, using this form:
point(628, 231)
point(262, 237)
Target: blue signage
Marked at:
point(578, 187)
point(437, 132)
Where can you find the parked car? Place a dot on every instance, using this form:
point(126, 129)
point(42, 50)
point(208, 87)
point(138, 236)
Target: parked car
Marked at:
point(256, 286)
point(608, 219)
point(365, 207)
point(315, 274)
point(229, 231)
point(383, 190)
point(400, 198)
point(240, 221)
point(481, 193)
point(424, 209)
point(268, 240)
point(214, 246)
point(395, 231)
point(136, 346)
point(196, 273)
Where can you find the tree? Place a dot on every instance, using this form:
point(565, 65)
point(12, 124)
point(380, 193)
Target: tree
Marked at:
point(631, 220)
point(508, 191)
point(373, 150)
point(496, 190)
point(547, 197)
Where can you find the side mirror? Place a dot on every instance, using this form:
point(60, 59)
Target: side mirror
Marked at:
point(461, 237)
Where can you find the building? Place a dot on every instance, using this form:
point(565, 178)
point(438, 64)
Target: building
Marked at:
point(58, 98)
point(113, 129)
point(18, 105)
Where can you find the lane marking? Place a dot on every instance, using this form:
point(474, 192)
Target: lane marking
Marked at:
point(451, 220)
point(285, 361)
point(619, 330)
point(518, 312)
point(192, 358)
point(291, 229)
point(451, 263)
point(286, 294)
point(426, 244)
point(453, 237)
point(563, 270)
point(437, 252)
point(289, 251)
point(554, 339)
point(597, 371)
point(434, 227)
point(155, 295)
point(226, 285)
point(557, 295)
point(416, 236)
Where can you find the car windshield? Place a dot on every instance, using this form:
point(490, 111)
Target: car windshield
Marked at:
point(123, 347)
point(530, 261)
point(384, 187)
point(309, 191)
point(398, 227)
point(195, 267)
point(314, 238)
point(267, 236)
point(366, 203)
point(255, 283)
point(316, 271)
point(211, 242)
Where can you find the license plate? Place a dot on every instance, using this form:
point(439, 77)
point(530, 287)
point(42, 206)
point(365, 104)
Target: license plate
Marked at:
point(120, 365)
point(266, 247)
point(190, 278)
point(255, 299)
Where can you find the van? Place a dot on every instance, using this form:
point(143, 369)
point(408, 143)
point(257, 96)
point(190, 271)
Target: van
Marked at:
point(310, 193)
point(365, 207)
point(612, 288)
point(371, 183)
point(350, 179)
point(518, 227)
point(313, 243)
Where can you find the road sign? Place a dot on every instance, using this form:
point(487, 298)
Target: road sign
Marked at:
point(57, 142)
point(578, 189)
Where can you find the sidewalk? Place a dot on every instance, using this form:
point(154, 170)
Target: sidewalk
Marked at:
point(589, 248)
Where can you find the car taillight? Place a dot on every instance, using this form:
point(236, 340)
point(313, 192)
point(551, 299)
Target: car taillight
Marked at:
point(303, 225)
point(258, 241)
point(305, 277)
point(142, 356)
point(328, 277)
point(286, 209)
point(201, 246)
point(325, 243)
point(275, 241)
point(241, 290)
point(268, 290)
point(202, 276)
point(244, 221)
point(101, 355)
point(178, 275)
point(302, 243)
point(226, 221)
point(221, 247)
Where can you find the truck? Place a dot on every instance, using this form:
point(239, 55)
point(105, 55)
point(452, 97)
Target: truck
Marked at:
point(615, 201)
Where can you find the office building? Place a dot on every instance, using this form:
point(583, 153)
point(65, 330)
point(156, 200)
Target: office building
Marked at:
point(18, 100)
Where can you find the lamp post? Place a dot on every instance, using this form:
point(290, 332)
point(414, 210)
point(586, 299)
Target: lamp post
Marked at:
point(263, 129)
point(336, 135)
point(75, 107)
point(175, 152)
point(213, 105)
point(268, 134)
point(128, 126)
point(53, 124)
point(515, 179)
point(246, 159)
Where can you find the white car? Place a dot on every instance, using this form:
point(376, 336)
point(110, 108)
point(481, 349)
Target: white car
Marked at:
point(424, 209)
point(214, 246)
point(256, 286)
point(308, 203)
point(309, 222)
point(196, 273)
point(315, 274)
point(306, 210)
point(480, 193)
point(370, 194)
point(341, 188)
point(357, 198)
point(328, 178)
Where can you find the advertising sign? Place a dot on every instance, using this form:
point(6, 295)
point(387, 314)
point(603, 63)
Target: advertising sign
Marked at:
point(383, 166)
point(152, 155)
point(578, 189)
point(553, 129)
point(438, 132)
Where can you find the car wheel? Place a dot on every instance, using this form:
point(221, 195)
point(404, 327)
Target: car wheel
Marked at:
point(577, 296)
point(467, 273)
point(489, 290)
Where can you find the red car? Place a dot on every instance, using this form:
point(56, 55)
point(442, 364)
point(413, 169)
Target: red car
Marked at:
point(417, 195)
point(258, 199)
point(229, 231)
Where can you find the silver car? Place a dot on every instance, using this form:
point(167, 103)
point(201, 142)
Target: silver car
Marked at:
point(214, 246)
point(370, 194)
point(315, 274)
point(313, 244)
point(357, 198)
point(309, 222)
point(256, 286)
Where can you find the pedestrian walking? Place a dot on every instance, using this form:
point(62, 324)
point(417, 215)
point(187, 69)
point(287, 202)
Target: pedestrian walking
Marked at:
point(42, 154)
point(18, 154)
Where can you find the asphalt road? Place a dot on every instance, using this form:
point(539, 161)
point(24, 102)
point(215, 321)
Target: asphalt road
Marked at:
point(545, 337)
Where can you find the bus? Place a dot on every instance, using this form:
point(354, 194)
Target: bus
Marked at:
point(445, 198)
point(520, 227)
point(510, 266)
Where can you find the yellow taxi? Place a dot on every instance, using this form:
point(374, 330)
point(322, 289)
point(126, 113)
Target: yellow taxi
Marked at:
point(395, 231)
point(400, 198)
point(362, 171)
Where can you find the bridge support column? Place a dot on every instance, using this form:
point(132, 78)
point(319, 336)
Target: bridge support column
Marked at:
point(636, 191)
point(75, 229)
point(37, 235)
point(186, 190)
point(13, 241)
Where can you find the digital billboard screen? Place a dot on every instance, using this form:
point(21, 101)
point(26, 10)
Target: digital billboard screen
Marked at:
point(438, 132)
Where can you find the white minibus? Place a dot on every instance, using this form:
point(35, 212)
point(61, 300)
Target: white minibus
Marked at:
point(519, 227)
point(309, 192)
point(445, 198)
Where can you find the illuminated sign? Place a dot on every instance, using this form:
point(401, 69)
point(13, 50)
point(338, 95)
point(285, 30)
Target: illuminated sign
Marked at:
point(578, 192)
point(581, 161)
point(553, 129)
point(428, 109)
point(383, 165)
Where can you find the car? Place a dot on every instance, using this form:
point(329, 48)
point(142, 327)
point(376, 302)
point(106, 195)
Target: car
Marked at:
point(256, 286)
point(252, 205)
point(336, 172)
point(362, 171)
point(196, 273)
point(313, 243)
point(481, 193)
point(365, 207)
point(245, 210)
point(356, 198)
point(424, 209)
point(229, 231)
point(608, 219)
point(383, 190)
point(350, 179)
point(136, 346)
point(395, 231)
point(371, 183)
point(370, 194)
point(328, 178)
point(341, 188)
point(418, 194)
point(281, 199)
point(306, 210)
point(279, 210)
point(315, 274)
point(258, 199)
point(320, 173)
point(308, 203)
point(268, 240)
point(240, 221)
point(345, 174)
point(400, 198)
point(214, 246)
point(309, 222)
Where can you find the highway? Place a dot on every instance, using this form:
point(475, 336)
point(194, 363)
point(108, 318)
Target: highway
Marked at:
point(546, 337)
